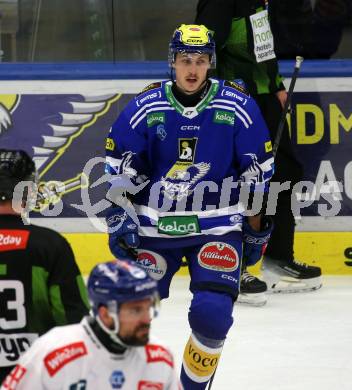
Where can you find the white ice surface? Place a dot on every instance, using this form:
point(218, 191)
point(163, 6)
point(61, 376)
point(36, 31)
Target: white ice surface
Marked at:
point(295, 342)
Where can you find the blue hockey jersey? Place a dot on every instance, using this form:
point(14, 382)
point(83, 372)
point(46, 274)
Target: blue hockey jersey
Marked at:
point(191, 159)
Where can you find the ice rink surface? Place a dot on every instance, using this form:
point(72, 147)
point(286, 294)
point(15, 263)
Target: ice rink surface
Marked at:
point(295, 342)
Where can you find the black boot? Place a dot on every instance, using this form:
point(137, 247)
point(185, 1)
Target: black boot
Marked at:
point(252, 290)
point(290, 276)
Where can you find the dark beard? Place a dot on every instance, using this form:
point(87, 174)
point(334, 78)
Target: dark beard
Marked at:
point(135, 341)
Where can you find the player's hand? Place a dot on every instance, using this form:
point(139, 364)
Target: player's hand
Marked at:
point(282, 97)
point(255, 243)
point(123, 233)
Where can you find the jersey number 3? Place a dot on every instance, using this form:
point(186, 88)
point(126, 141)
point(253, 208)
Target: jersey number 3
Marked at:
point(13, 305)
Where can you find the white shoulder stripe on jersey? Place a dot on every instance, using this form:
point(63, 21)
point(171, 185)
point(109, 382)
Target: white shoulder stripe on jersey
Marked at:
point(135, 124)
point(146, 106)
point(158, 108)
point(244, 112)
point(140, 111)
point(239, 116)
point(154, 214)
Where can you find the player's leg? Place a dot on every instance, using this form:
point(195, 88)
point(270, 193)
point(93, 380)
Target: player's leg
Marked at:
point(215, 272)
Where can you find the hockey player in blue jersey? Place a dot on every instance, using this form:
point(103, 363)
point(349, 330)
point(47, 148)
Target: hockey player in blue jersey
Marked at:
point(181, 150)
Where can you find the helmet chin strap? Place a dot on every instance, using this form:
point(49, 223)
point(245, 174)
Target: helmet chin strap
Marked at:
point(113, 333)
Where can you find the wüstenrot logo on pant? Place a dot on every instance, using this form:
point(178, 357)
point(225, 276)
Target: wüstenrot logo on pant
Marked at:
point(178, 226)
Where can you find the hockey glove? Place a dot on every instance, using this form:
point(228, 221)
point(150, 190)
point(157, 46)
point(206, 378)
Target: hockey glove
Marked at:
point(255, 243)
point(123, 233)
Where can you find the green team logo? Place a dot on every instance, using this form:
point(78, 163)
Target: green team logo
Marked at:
point(178, 226)
point(155, 117)
point(224, 117)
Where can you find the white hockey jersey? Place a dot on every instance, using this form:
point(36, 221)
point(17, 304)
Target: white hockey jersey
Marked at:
point(72, 358)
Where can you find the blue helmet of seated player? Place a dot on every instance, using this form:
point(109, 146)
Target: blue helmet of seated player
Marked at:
point(191, 55)
point(124, 300)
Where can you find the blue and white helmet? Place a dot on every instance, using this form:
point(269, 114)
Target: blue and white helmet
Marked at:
point(192, 38)
point(115, 282)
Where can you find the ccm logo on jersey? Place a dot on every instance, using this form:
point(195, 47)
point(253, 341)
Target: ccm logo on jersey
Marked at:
point(14, 378)
point(58, 358)
point(13, 240)
point(157, 353)
point(147, 385)
point(184, 127)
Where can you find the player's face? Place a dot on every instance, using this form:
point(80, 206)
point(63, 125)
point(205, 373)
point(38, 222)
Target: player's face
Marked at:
point(191, 71)
point(134, 321)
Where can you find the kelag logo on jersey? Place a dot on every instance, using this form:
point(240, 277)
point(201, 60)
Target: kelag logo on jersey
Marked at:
point(117, 379)
point(178, 225)
point(155, 117)
point(224, 117)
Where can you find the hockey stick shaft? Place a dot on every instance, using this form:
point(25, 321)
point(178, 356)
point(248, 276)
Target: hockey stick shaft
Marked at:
point(210, 384)
point(280, 129)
